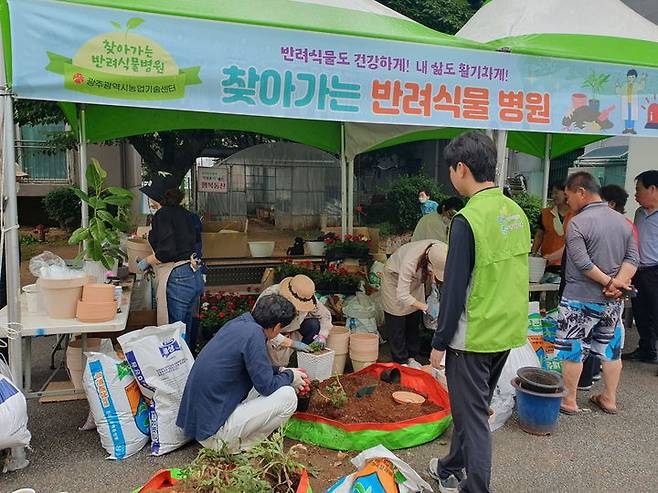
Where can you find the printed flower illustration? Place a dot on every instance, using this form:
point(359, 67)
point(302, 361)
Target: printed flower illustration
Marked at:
point(78, 78)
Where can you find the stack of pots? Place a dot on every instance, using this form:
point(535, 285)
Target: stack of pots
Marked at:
point(61, 295)
point(137, 248)
point(339, 341)
point(74, 361)
point(98, 304)
point(364, 350)
point(538, 396)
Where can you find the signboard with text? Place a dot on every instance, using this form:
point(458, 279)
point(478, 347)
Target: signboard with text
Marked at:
point(212, 180)
point(80, 53)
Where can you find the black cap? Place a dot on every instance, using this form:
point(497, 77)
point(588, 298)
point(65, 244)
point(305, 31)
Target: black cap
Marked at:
point(157, 188)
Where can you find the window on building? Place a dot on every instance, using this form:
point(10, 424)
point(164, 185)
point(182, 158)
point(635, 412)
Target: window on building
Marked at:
point(36, 159)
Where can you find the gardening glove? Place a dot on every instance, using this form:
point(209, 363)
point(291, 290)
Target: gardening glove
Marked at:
point(143, 265)
point(433, 310)
point(321, 340)
point(300, 378)
point(300, 346)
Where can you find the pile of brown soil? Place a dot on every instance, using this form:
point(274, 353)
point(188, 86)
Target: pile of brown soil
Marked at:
point(379, 407)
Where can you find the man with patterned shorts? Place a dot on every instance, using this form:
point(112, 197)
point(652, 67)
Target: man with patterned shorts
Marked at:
point(602, 257)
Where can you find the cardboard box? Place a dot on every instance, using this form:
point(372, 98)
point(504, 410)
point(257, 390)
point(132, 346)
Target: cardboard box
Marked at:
point(225, 239)
point(371, 233)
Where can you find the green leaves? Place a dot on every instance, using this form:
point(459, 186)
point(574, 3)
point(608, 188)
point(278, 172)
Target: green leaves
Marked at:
point(79, 235)
point(134, 23)
point(116, 25)
point(95, 175)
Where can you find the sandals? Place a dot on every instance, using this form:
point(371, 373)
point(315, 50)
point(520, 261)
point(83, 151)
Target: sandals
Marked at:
point(570, 412)
point(596, 400)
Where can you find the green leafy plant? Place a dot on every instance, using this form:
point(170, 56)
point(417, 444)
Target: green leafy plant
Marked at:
point(132, 23)
point(596, 82)
point(333, 280)
point(217, 309)
point(316, 347)
point(531, 205)
point(336, 394)
point(62, 205)
point(346, 247)
point(102, 234)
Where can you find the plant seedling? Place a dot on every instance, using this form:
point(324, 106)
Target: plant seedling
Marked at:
point(316, 346)
point(336, 394)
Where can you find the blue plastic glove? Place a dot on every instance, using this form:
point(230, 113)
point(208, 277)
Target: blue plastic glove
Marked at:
point(143, 265)
point(433, 310)
point(300, 346)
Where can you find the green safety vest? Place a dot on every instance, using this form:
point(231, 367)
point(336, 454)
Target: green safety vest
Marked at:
point(496, 314)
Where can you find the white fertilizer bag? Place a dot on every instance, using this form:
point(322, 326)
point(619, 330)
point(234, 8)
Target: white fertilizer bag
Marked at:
point(161, 362)
point(13, 413)
point(119, 409)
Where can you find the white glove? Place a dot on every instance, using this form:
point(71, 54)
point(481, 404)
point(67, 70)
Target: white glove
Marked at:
point(298, 378)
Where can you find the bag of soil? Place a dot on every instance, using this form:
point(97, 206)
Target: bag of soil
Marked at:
point(13, 413)
point(119, 409)
point(161, 362)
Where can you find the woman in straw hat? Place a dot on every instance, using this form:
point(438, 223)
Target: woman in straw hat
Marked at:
point(406, 274)
point(312, 323)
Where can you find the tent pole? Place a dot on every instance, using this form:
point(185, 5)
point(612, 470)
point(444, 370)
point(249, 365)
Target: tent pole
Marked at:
point(82, 143)
point(547, 169)
point(501, 164)
point(350, 196)
point(343, 183)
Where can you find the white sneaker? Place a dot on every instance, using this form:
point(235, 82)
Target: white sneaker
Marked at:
point(412, 363)
point(448, 485)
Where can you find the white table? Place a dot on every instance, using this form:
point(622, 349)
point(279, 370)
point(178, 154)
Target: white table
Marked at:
point(543, 287)
point(40, 324)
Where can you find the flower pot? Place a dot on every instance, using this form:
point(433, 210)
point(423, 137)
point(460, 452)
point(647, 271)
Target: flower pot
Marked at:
point(315, 248)
point(97, 270)
point(360, 365)
point(74, 365)
point(61, 296)
point(540, 380)
point(261, 248)
point(95, 313)
point(537, 412)
point(318, 365)
point(339, 364)
point(98, 293)
point(32, 298)
point(339, 339)
point(536, 268)
point(137, 248)
point(364, 347)
point(303, 403)
point(578, 100)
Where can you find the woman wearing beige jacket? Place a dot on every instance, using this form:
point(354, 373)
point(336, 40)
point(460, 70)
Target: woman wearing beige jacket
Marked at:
point(406, 274)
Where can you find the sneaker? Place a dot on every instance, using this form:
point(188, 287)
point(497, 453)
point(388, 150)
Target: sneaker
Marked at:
point(412, 363)
point(448, 485)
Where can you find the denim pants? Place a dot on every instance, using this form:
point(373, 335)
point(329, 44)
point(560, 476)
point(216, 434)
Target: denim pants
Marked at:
point(184, 288)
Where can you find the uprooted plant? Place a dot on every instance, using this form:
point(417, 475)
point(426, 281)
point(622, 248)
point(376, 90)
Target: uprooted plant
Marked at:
point(336, 394)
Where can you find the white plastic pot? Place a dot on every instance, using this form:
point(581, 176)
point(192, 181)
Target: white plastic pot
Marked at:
point(261, 248)
point(318, 366)
point(32, 298)
point(536, 268)
point(315, 248)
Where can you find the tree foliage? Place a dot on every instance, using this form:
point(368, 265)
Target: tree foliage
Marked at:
point(446, 16)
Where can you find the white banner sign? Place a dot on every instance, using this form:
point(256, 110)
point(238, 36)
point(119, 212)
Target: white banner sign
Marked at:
point(212, 180)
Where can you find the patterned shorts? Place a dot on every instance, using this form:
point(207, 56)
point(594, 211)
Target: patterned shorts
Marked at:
point(589, 327)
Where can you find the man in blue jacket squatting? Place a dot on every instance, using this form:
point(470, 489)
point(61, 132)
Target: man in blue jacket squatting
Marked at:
point(234, 395)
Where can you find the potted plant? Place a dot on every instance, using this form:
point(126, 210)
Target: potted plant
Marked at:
point(331, 281)
point(595, 82)
point(347, 247)
point(220, 308)
point(109, 213)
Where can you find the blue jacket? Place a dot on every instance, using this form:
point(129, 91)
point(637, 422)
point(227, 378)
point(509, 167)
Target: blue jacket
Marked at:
point(234, 361)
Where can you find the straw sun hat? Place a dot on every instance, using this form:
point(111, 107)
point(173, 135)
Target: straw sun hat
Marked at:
point(300, 291)
point(436, 255)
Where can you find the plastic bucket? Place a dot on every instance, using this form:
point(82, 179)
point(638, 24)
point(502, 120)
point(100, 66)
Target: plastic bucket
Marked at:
point(32, 295)
point(61, 295)
point(537, 412)
point(536, 268)
point(315, 248)
point(137, 248)
point(261, 248)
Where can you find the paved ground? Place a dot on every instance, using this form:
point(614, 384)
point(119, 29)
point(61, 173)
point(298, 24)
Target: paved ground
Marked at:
point(588, 453)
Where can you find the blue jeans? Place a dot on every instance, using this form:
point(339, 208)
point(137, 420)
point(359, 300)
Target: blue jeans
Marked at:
point(184, 288)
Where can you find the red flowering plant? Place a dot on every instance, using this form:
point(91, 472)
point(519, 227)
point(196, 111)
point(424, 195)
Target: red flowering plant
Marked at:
point(219, 308)
point(331, 281)
point(349, 246)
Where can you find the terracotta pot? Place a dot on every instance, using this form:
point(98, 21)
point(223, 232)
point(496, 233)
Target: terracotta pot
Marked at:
point(137, 248)
point(98, 293)
point(360, 365)
point(93, 313)
point(578, 100)
point(61, 295)
point(364, 347)
point(339, 364)
point(339, 340)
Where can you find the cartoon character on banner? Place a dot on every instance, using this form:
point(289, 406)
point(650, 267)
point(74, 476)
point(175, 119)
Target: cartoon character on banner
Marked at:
point(630, 99)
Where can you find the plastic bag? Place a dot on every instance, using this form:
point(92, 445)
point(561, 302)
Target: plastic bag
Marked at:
point(502, 401)
point(376, 274)
point(47, 264)
point(13, 412)
point(360, 314)
point(161, 362)
point(119, 409)
point(378, 303)
point(380, 471)
point(431, 316)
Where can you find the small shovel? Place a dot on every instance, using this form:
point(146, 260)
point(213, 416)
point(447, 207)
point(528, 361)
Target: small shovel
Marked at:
point(365, 391)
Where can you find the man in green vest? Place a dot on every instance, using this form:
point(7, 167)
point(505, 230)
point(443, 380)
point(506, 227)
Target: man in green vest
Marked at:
point(484, 308)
